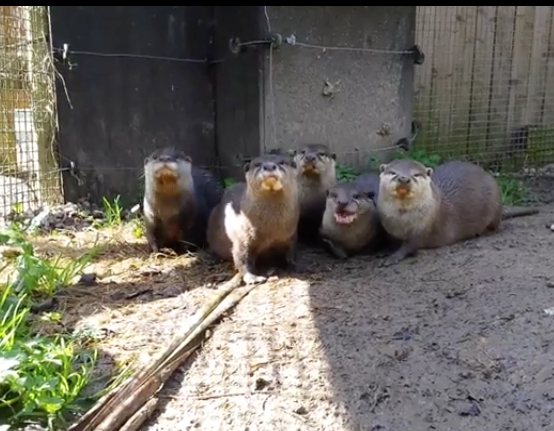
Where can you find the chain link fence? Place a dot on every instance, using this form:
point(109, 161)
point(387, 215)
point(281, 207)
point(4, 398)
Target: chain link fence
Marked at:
point(486, 90)
point(28, 170)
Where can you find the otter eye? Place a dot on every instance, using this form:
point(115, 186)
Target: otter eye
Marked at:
point(418, 175)
point(257, 165)
point(282, 163)
point(356, 196)
point(321, 154)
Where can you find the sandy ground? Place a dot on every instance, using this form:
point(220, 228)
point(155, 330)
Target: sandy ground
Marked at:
point(455, 339)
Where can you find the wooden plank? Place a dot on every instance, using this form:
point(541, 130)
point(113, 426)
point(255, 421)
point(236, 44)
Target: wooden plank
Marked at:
point(521, 56)
point(547, 114)
point(535, 83)
point(425, 38)
point(461, 51)
point(481, 85)
point(497, 129)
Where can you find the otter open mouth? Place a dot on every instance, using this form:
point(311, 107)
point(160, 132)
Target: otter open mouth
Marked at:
point(166, 176)
point(272, 183)
point(345, 217)
point(402, 191)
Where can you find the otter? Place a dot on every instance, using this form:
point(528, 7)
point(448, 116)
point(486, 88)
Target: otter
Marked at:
point(178, 199)
point(430, 208)
point(258, 218)
point(316, 174)
point(350, 222)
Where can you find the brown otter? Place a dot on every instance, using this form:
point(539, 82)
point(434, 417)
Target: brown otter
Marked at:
point(350, 222)
point(316, 174)
point(426, 208)
point(178, 199)
point(258, 218)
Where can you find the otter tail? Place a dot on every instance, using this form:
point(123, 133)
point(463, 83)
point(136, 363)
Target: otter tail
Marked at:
point(511, 212)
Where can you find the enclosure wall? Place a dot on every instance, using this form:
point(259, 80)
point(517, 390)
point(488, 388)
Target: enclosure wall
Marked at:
point(29, 174)
point(349, 99)
point(486, 90)
point(115, 108)
point(238, 80)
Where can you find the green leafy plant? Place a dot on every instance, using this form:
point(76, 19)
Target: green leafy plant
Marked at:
point(345, 173)
point(41, 377)
point(428, 159)
point(112, 211)
point(513, 190)
point(138, 229)
point(229, 181)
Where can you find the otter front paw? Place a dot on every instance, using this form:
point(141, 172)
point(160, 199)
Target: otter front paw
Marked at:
point(334, 250)
point(250, 278)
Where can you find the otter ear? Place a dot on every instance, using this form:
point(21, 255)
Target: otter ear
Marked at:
point(333, 156)
point(327, 192)
point(187, 159)
point(429, 171)
point(292, 152)
point(370, 194)
point(246, 167)
point(293, 164)
point(382, 167)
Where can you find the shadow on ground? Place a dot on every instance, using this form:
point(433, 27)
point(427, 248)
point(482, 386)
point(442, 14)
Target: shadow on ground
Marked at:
point(456, 339)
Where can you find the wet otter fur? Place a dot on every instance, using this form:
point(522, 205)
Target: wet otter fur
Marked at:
point(177, 202)
point(430, 208)
point(351, 222)
point(258, 218)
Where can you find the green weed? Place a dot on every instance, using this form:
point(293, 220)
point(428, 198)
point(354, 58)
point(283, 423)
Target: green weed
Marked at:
point(229, 181)
point(41, 377)
point(138, 229)
point(112, 211)
point(428, 159)
point(513, 190)
point(345, 173)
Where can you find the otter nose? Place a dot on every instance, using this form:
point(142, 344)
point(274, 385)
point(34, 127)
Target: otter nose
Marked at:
point(269, 167)
point(165, 159)
point(310, 158)
point(404, 180)
point(341, 204)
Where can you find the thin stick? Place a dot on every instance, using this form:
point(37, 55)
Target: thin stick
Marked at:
point(129, 400)
point(140, 417)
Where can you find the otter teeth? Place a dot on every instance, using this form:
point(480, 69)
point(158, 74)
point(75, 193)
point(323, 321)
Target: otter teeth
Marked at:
point(344, 218)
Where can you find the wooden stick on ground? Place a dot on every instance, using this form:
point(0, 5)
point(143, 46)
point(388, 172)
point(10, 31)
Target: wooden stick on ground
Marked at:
point(120, 407)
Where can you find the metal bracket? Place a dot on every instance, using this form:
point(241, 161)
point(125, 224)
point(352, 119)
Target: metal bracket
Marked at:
point(417, 54)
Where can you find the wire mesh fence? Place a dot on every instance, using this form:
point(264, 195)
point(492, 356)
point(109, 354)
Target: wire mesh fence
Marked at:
point(28, 173)
point(486, 90)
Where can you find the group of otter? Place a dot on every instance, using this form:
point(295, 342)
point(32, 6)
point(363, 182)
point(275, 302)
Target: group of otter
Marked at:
point(287, 198)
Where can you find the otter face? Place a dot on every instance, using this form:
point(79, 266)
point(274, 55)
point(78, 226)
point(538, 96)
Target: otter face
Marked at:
point(167, 166)
point(404, 179)
point(269, 172)
point(315, 159)
point(347, 202)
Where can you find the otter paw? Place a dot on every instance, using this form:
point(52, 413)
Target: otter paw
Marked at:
point(250, 278)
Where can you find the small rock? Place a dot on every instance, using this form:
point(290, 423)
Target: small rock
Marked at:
point(472, 410)
point(550, 284)
point(88, 279)
point(301, 410)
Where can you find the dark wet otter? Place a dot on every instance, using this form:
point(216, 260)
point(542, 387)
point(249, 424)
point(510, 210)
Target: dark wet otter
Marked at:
point(426, 208)
point(316, 174)
point(351, 223)
point(258, 218)
point(178, 200)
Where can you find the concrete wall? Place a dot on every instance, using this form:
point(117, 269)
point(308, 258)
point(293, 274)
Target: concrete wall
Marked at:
point(375, 91)
point(122, 108)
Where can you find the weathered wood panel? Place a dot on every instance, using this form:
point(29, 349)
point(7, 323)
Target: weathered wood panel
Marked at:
point(488, 69)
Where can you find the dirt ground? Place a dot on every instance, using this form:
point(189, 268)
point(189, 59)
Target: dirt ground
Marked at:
point(457, 339)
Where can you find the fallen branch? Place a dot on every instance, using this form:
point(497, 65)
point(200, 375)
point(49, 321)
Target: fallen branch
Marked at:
point(129, 403)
